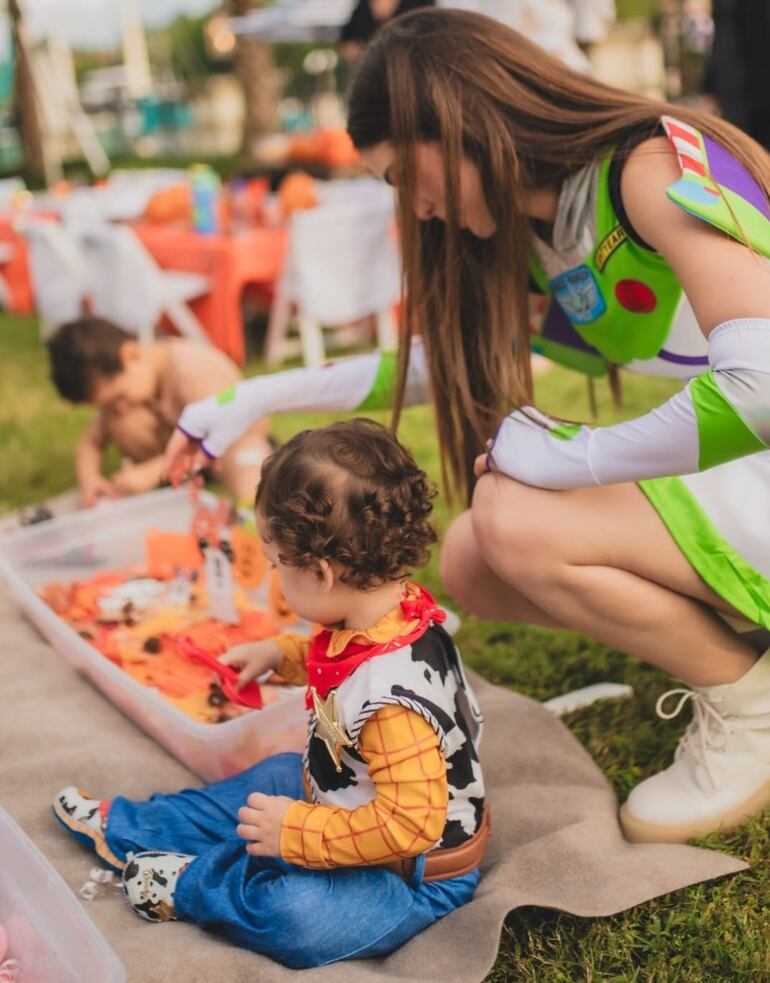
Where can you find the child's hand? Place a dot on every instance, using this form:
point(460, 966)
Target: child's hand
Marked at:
point(260, 823)
point(95, 487)
point(254, 658)
point(133, 479)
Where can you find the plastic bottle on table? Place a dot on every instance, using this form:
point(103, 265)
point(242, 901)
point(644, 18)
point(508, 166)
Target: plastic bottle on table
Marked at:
point(206, 189)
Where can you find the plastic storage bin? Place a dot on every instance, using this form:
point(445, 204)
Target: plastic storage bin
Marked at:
point(111, 537)
point(49, 933)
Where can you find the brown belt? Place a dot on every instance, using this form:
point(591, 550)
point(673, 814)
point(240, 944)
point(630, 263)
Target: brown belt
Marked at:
point(442, 864)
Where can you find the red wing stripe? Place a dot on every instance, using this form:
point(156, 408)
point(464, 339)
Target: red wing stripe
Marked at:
point(689, 164)
point(677, 131)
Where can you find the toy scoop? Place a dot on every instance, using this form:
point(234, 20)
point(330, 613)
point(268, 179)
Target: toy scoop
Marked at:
point(249, 695)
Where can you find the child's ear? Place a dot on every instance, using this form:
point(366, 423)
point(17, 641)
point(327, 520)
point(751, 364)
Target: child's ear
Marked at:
point(130, 351)
point(326, 575)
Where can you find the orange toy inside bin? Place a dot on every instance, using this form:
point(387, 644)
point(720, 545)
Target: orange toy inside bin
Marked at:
point(60, 572)
point(143, 618)
point(171, 551)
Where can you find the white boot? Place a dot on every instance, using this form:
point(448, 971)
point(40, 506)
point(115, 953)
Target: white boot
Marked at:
point(721, 770)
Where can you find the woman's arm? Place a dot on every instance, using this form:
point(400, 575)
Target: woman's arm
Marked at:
point(363, 382)
point(721, 415)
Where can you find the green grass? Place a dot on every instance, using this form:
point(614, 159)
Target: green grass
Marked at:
point(698, 935)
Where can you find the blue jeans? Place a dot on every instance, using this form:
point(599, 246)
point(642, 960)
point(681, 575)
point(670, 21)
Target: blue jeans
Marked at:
point(297, 916)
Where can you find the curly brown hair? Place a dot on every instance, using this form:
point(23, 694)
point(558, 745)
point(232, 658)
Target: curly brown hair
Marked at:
point(352, 494)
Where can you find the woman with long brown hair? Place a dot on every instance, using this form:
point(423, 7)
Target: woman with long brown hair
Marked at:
point(645, 225)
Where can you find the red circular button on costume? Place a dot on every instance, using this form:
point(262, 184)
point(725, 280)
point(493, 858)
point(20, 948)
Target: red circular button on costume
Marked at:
point(636, 296)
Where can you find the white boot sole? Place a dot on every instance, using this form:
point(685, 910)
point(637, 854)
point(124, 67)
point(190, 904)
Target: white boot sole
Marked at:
point(638, 830)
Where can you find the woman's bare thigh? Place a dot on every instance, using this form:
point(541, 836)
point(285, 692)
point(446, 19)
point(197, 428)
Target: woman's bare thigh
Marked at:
point(613, 526)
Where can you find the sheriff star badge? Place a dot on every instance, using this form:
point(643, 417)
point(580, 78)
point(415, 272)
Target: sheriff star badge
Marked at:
point(327, 728)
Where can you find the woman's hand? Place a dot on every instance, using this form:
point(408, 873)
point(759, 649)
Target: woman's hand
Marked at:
point(482, 464)
point(535, 449)
point(260, 823)
point(183, 458)
point(208, 427)
point(254, 658)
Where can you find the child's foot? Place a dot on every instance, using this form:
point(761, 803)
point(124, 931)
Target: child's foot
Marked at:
point(84, 817)
point(149, 883)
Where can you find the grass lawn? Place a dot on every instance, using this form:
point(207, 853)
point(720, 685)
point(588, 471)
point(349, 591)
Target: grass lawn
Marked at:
point(704, 933)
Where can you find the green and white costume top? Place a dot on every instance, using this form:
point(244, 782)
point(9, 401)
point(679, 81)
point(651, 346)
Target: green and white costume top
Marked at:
point(611, 299)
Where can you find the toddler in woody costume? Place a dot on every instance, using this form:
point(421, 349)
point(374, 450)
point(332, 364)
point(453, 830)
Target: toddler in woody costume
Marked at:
point(379, 829)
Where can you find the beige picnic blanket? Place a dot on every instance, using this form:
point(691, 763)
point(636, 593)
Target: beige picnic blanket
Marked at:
point(556, 842)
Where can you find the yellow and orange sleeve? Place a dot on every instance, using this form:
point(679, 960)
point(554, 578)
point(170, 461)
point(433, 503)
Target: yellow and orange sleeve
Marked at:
point(294, 649)
point(404, 819)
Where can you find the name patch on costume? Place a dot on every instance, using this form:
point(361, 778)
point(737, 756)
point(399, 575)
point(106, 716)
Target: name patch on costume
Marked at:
point(578, 293)
point(608, 245)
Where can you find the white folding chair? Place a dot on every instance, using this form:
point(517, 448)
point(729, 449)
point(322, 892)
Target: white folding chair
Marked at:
point(342, 265)
point(58, 273)
point(128, 287)
point(127, 192)
point(80, 209)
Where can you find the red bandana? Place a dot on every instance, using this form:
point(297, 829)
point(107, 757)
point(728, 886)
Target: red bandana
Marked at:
point(325, 674)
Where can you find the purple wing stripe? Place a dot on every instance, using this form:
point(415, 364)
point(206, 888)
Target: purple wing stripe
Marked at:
point(683, 359)
point(731, 174)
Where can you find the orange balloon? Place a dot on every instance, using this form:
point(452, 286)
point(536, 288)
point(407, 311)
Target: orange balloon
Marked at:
point(173, 204)
point(297, 192)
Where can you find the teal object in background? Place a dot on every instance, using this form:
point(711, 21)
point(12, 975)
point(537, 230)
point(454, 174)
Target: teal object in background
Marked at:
point(7, 68)
point(159, 115)
point(206, 188)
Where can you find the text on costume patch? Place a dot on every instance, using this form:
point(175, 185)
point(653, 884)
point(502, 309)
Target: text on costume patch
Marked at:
point(608, 245)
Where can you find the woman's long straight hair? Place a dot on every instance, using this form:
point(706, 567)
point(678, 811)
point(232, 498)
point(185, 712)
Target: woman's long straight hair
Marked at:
point(527, 121)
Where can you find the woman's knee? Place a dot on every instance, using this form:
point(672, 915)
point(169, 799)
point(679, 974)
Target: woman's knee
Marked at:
point(456, 547)
point(505, 521)
point(516, 537)
point(463, 571)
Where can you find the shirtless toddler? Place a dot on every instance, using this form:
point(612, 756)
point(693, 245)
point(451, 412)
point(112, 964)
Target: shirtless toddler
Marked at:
point(139, 391)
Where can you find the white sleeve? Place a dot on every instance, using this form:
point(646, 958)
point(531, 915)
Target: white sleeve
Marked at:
point(362, 382)
point(722, 415)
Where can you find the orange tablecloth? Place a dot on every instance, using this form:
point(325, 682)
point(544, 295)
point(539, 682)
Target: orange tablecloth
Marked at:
point(230, 262)
point(16, 271)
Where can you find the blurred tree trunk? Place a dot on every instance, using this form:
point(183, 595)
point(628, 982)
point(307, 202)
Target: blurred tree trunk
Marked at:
point(255, 71)
point(25, 101)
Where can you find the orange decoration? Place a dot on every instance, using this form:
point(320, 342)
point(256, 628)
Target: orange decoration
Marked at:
point(331, 147)
point(250, 562)
point(296, 193)
point(143, 642)
point(169, 551)
point(173, 204)
point(278, 604)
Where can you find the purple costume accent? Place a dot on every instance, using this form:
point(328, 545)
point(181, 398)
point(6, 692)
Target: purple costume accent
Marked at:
point(731, 174)
point(209, 455)
point(683, 359)
point(557, 327)
point(186, 432)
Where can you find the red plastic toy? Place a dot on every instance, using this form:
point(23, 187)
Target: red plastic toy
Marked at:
point(249, 696)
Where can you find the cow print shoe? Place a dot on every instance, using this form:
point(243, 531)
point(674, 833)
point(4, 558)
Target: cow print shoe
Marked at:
point(83, 816)
point(149, 883)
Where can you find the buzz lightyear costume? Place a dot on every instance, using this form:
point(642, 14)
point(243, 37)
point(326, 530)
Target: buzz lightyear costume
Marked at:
point(611, 300)
point(702, 458)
